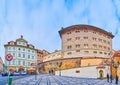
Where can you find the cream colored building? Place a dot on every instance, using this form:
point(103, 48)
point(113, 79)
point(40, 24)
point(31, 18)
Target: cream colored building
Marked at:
point(23, 55)
point(52, 56)
point(85, 41)
point(83, 47)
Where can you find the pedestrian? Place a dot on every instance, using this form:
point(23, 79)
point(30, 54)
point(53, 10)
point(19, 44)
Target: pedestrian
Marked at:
point(111, 78)
point(49, 71)
point(107, 77)
point(116, 80)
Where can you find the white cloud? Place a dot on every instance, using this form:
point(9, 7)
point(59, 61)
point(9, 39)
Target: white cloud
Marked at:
point(40, 20)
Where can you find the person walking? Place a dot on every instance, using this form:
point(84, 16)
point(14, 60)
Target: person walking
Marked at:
point(107, 77)
point(116, 82)
point(111, 78)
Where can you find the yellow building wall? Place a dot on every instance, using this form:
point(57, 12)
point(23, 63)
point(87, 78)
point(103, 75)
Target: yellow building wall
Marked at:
point(73, 63)
point(90, 62)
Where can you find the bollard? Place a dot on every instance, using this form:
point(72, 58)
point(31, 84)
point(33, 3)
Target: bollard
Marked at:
point(10, 81)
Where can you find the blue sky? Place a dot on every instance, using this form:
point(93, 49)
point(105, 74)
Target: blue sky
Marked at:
point(40, 20)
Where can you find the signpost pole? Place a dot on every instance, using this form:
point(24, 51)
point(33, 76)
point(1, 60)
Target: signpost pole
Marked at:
point(8, 72)
point(9, 57)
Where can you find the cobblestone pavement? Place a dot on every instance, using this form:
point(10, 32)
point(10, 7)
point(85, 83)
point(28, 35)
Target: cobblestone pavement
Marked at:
point(60, 80)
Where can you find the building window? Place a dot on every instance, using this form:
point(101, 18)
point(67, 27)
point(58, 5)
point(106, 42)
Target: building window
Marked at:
point(32, 57)
point(28, 50)
point(85, 38)
point(108, 53)
point(69, 47)
point(19, 49)
point(23, 43)
point(69, 53)
point(68, 32)
point(104, 47)
point(94, 39)
point(94, 45)
point(77, 30)
point(100, 52)
point(108, 48)
point(19, 55)
point(13, 54)
point(85, 30)
point(23, 49)
point(19, 62)
point(69, 39)
point(77, 38)
point(105, 53)
point(85, 45)
point(108, 42)
point(28, 63)
point(9, 48)
point(94, 32)
point(95, 52)
point(32, 51)
point(24, 63)
point(13, 62)
point(77, 50)
point(28, 56)
point(77, 46)
point(100, 46)
point(23, 55)
point(86, 51)
point(13, 48)
point(19, 43)
point(104, 41)
point(88, 64)
point(100, 40)
point(11, 43)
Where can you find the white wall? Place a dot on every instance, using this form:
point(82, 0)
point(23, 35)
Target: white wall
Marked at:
point(85, 72)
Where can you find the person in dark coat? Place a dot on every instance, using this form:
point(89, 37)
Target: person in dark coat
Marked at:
point(111, 78)
point(116, 82)
point(49, 72)
point(107, 77)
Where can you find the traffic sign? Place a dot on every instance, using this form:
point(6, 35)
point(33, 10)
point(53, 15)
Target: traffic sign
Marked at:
point(9, 57)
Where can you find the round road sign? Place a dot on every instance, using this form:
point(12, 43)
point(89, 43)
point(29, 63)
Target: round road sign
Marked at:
point(9, 57)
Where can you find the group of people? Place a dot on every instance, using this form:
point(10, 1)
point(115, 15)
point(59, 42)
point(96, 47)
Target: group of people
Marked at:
point(51, 71)
point(111, 78)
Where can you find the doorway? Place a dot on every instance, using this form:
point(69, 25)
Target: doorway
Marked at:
point(101, 75)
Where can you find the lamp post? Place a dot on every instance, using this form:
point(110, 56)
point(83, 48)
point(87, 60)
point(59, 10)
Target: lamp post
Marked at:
point(116, 66)
point(35, 71)
point(60, 64)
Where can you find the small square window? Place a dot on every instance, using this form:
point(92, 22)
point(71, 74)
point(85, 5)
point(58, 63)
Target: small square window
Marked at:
point(68, 32)
point(69, 53)
point(77, 38)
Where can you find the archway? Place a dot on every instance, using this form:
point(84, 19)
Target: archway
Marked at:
point(21, 68)
point(30, 70)
point(101, 75)
point(11, 68)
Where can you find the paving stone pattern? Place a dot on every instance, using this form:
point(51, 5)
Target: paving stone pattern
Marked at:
point(60, 80)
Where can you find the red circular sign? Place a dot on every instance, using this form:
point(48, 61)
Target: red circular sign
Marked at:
point(9, 57)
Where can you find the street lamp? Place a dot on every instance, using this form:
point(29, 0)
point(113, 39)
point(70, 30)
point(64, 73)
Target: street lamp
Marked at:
point(60, 64)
